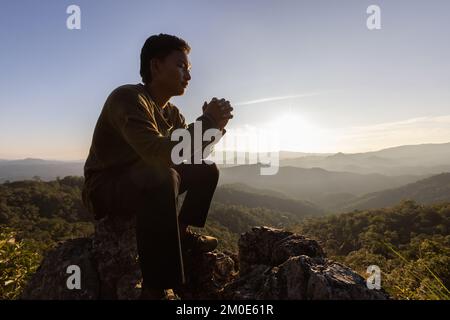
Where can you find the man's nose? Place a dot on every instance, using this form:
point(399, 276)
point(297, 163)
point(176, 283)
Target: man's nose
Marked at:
point(187, 76)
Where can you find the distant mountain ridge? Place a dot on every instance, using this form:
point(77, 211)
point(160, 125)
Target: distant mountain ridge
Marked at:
point(314, 184)
point(239, 194)
point(402, 160)
point(432, 190)
point(421, 160)
point(47, 170)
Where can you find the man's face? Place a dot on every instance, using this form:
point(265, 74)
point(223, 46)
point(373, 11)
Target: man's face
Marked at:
point(173, 73)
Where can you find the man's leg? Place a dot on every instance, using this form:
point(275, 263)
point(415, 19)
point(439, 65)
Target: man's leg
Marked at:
point(154, 190)
point(200, 182)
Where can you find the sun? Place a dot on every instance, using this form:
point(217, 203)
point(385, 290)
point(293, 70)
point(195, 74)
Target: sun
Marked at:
point(288, 131)
point(296, 133)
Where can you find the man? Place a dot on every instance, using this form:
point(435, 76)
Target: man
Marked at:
point(130, 172)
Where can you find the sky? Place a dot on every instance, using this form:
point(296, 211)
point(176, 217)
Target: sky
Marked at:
point(311, 71)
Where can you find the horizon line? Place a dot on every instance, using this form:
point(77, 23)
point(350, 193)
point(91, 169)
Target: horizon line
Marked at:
point(222, 150)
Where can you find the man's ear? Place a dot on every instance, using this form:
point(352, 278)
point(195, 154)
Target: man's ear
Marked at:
point(154, 66)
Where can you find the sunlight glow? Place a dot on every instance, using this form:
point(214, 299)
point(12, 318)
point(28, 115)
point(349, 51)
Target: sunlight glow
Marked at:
point(288, 131)
point(298, 133)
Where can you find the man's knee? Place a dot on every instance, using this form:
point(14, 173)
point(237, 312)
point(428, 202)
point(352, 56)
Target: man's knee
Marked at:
point(210, 171)
point(146, 177)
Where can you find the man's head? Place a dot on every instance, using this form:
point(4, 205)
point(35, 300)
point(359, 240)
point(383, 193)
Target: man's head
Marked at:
point(164, 61)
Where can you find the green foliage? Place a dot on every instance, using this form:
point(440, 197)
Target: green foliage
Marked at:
point(34, 217)
point(432, 190)
point(238, 218)
point(227, 222)
point(409, 242)
point(18, 260)
point(240, 194)
point(46, 212)
point(40, 214)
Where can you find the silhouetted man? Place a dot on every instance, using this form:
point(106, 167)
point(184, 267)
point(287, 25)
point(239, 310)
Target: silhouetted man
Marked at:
point(130, 171)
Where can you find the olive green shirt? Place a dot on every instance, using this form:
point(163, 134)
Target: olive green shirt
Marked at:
point(131, 127)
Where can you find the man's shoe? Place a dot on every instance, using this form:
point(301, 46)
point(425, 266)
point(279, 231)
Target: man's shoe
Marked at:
point(196, 242)
point(169, 294)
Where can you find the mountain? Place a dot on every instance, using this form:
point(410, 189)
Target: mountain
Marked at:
point(46, 170)
point(421, 154)
point(423, 160)
point(435, 189)
point(240, 194)
point(245, 157)
point(294, 154)
point(325, 188)
point(420, 159)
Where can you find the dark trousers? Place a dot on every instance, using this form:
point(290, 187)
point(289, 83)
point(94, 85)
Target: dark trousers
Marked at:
point(151, 193)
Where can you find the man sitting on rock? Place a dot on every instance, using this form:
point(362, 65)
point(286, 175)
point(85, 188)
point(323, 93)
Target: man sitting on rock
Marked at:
point(129, 171)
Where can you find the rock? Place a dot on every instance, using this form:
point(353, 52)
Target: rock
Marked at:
point(273, 263)
point(280, 265)
point(256, 247)
point(50, 280)
point(270, 246)
point(302, 278)
point(110, 270)
point(115, 252)
point(206, 275)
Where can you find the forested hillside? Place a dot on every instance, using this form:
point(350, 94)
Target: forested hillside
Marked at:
point(431, 190)
point(410, 242)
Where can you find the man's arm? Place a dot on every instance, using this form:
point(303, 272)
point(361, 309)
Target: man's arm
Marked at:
point(129, 114)
point(207, 123)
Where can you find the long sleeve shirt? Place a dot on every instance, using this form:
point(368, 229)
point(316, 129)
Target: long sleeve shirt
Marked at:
point(132, 127)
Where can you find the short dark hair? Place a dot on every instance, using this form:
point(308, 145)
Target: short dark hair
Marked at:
point(159, 46)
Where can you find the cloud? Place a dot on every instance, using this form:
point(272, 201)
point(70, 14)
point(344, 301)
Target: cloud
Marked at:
point(413, 122)
point(279, 98)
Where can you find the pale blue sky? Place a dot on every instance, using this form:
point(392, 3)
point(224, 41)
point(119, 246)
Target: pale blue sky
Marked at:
point(365, 89)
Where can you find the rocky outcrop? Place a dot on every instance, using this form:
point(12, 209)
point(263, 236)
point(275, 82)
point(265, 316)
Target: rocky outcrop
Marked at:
point(109, 268)
point(280, 265)
point(271, 264)
point(50, 280)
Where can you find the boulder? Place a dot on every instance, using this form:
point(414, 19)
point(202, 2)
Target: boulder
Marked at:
point(271, 264)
